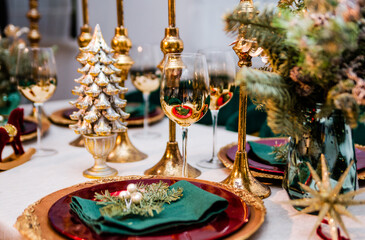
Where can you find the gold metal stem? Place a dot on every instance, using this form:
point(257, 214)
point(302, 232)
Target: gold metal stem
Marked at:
point(120, 13)
point(85, 12)
point(172, 131)
point(33, 15)
point(172, 17)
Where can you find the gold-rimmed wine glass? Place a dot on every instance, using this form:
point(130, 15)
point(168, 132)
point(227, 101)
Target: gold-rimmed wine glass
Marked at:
point(184, 93)
point(222, 71)
point(37, 80)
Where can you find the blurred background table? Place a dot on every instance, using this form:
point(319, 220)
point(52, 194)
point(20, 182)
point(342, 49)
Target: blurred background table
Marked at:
point(27, 183)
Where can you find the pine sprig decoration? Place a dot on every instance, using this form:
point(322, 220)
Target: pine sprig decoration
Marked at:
point(154, 196)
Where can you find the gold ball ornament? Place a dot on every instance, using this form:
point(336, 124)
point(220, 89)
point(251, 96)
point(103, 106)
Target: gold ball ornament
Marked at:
point(136, 197)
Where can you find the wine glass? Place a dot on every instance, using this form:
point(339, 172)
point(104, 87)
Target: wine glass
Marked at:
point(37, 80)
point(222, 70)
point(184, 92)
point(146, 77)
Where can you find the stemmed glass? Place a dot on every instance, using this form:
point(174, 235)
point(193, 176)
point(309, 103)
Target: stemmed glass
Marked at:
point(37, 80)
point(184, 92)
point(146, 77)
point(221, 68)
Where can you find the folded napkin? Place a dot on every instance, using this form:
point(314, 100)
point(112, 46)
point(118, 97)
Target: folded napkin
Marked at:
point(196, 206)
point(264, 153)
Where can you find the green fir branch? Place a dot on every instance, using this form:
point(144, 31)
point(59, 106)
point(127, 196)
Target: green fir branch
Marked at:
point(155, 195)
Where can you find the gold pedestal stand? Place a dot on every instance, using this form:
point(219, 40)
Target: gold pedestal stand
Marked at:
point(124, 150)
point(171, 162)
point(241, 176)
point(83, 40)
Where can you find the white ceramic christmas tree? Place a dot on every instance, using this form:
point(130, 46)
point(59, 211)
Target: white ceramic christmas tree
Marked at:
point(100, 107)
point(100, 113)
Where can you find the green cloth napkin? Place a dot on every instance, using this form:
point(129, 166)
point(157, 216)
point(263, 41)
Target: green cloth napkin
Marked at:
point(196, 206)
point(264, 153)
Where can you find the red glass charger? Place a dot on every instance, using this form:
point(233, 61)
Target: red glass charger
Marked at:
point(64, 221)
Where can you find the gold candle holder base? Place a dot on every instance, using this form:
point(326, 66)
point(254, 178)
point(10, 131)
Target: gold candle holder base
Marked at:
point(241, 177)
point(78, 142)
point(100, 147)
point(171, 164)
point(125, 151)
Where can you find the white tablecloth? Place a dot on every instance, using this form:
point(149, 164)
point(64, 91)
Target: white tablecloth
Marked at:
point(25, 184)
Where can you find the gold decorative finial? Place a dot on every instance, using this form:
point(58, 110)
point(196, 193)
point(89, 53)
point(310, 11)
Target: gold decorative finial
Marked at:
point(85, 35)
point(172, 42)
point(33, 15)
point(327, 200)
point(241, 176)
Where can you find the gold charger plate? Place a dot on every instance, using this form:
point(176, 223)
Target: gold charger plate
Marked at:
point(45, 126)
point(34, 223)
point(58, 118)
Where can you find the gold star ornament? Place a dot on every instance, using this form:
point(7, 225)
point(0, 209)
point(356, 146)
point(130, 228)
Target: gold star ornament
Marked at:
point(327, 200)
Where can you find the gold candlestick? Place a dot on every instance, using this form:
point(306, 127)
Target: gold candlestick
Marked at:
point(241, 176)
point(171, 162)
point(124, 150)
point(83, 40)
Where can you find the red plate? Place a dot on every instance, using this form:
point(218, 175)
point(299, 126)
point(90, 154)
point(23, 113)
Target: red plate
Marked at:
point(64, 221)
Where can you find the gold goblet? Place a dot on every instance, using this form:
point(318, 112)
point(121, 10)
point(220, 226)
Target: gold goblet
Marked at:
point(100, 147)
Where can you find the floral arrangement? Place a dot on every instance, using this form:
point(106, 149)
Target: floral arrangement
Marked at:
point(316, 55)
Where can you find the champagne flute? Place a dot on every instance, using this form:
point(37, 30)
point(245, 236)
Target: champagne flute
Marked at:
point(184, 92)
point(222, 70)
point(37, 80)
point(145, 76)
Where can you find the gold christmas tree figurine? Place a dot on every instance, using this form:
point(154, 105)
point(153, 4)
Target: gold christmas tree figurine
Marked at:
point(99, 104)
point(100, 112)
point(327, 200)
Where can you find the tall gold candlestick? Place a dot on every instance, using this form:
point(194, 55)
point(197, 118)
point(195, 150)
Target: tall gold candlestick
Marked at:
point(124, 150)
point(171, 162)
point(83, 40)
point(241, 176)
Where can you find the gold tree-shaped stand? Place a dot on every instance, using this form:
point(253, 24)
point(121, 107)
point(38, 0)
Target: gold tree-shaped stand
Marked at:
point(241, 176)
point(124, 150)
point(171, 162)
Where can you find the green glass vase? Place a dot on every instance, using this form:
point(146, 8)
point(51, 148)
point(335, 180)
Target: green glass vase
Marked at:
point(330, 136)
